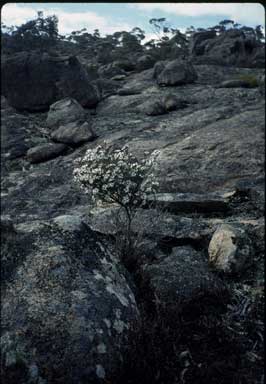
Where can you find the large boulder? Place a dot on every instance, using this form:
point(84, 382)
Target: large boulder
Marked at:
point(11, 253)
point(64, 111)
point(203, 161)
point(177, 72)
point(257, 59)
point(226, 49)
point(196, 47)
point(158, 68)
point(92, 71)
point(33, 81)
point(73, 134)
point(106, 87)
point(231, 47)
point(75, 83)
point(15, 136)
point(68, 313)
point(145, 62)
point(182, 282)
point(124, 64)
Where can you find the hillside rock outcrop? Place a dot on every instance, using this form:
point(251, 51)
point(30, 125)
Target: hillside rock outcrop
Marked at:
point(68, 314)
point(231, 47)
point(64, 318)
point(60, 77)
point(197, 44)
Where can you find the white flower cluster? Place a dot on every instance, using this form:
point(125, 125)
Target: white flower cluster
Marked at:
point(116, 176)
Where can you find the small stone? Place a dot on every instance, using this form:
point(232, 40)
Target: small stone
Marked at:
point(230, 249)
point(172, 103)
point(64, 111)
point(158, 68)
point(118, 77)
point(73, 134)
point(100, 371)
point(128, 91)
point(101, 348)
point(154, 108)
point(45, 152)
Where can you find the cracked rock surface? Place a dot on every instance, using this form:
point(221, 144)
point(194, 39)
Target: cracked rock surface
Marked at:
point(71, 311)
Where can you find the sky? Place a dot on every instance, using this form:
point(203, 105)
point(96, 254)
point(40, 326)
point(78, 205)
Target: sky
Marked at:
point(113, 17)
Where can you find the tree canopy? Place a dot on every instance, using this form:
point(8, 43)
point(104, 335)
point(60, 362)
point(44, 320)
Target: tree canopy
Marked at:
point(42, 34)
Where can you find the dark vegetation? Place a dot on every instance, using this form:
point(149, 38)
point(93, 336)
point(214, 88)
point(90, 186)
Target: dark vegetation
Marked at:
point(42, 34)
point(208, 341)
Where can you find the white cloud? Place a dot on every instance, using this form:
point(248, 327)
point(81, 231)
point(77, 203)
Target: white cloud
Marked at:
point(14, 14)
point(150, 36)
point(69, 22)
point(244, 13)
point(155, 36)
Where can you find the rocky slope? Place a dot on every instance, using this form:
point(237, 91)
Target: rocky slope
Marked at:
point(71, 311)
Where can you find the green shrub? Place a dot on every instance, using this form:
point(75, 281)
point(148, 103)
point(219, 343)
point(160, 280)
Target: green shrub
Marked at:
point(116, 176)
point(251, 80)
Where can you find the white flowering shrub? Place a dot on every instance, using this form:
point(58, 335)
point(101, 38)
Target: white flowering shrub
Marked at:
point(117, 176)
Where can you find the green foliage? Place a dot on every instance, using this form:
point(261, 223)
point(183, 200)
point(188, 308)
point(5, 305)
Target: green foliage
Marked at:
point(84, 40)
point(251, 80)
point(162, 28)
point(139, 33)
point(159, 25)
point(226, 23)
point(170, 43)
point(40, 33)
point(130, 42)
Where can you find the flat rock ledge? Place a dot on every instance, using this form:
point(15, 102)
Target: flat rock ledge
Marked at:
point(191, 202)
